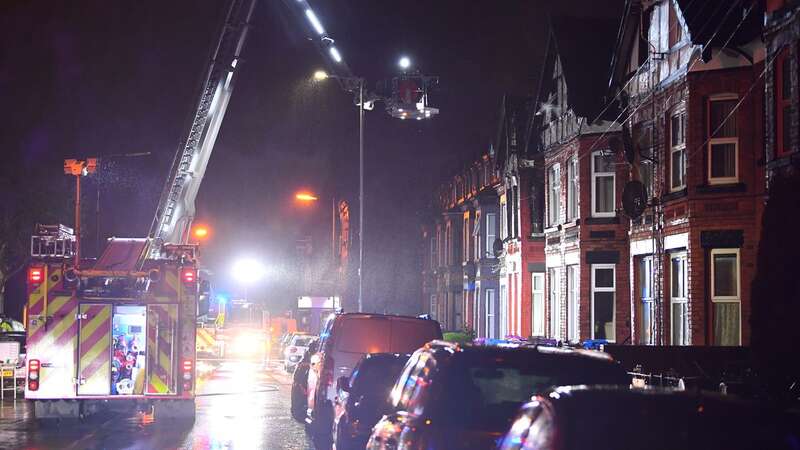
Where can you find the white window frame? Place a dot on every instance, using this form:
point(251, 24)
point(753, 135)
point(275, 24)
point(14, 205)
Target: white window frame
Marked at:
point(646, 277)
point(503, 216)
point(554, 301)
point(476, 237)
point(677, 299)
point(433, 250)
point(677, 148)
point(465, 253)
point(491, 233)
point(596, 175)
point(572, 190)
point(432, 307)
point(554, 195)
point(537, 320)
point(503, 329)
point(728, 299)
point(612, 289)
point(489, 300)
point(573, 303)
point(722, 141)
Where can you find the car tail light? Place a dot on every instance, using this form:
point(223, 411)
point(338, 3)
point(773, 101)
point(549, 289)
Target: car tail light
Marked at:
point(35, 275)
point(187, 367)
point(33, 375)
point(189, 276)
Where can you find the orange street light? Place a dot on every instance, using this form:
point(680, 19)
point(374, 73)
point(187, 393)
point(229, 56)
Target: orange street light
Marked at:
point(305, 197)
point(200, 232)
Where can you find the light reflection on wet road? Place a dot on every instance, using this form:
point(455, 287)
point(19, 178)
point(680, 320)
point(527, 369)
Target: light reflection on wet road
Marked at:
point(240, 407)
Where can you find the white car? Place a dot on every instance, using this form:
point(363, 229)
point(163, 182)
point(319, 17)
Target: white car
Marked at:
point(294, 352)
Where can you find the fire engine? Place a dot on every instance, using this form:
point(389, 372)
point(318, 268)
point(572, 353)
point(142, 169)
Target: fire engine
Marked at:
point(123, 327)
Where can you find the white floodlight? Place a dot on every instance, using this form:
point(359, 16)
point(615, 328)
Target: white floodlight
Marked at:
point(335, 54)
point(404, 62)
point(248, 271)
point(315, 22)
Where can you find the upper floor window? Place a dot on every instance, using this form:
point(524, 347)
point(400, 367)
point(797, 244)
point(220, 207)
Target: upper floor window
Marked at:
point(465, 239)
point(491, 233)
point(677, 158)
point(675, 29)
point(448, 250)
point(433, 252)
point(476, 236)
point(503, 215)
point(554, 194)
point(723, 147)
point(572, 189)
point(603, 185)
point(783, 103)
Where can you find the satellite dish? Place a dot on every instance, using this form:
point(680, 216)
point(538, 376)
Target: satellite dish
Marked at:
point(634, 199)
point(497, 247)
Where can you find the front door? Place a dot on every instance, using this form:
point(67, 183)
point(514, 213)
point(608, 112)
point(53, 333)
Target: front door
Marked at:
point(162, 326)
point(94, 349)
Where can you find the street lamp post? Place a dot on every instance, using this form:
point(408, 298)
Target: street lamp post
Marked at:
point(351, 84)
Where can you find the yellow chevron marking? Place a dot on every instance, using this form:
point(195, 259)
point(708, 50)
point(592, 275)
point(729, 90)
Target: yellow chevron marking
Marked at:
point(99, 347)
point(56, 304)
point(158, 384)
point(101, 317)
point(36, 297)
point(164, 361)
point(64, 325)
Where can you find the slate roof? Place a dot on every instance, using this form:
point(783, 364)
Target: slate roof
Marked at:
point(712, 23)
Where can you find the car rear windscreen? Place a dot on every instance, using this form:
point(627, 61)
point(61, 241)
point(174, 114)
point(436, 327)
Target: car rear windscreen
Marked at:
point(384, 335)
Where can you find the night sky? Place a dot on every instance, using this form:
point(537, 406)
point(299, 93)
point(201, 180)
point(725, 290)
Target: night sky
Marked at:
point(99, 78)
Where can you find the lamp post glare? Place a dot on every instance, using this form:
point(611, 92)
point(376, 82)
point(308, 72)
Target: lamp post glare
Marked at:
point(320, 75)
point(404, 63)
point(248, 271)
point(305, 197)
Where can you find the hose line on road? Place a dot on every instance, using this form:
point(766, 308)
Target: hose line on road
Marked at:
point(257, 391)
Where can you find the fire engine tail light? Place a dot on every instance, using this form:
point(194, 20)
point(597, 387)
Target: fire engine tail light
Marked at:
point(33, 375)
point(187, 367)
point(35, 275)
point(189, 276)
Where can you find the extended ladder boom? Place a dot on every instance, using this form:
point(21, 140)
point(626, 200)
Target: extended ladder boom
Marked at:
point(176, 208)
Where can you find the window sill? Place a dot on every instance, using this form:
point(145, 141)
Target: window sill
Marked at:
point(574, 223)
point(552, 229)
point(674, 195)
point(721, 188)
point(602, 220)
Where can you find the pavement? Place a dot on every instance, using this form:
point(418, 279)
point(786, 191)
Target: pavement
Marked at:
point(239, 406)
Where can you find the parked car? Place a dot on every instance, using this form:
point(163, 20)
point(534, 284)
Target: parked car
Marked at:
point(615, 417)
point(345, 339)
point(363, 398)
point(300, 382)
point(295, 351)
point(453, 397)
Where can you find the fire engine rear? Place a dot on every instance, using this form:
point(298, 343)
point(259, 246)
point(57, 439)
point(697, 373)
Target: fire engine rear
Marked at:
point(110, 331)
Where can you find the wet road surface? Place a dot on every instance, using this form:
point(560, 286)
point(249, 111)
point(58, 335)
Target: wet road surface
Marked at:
point(240, 406)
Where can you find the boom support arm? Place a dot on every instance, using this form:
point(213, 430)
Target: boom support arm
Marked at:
point(176, 208)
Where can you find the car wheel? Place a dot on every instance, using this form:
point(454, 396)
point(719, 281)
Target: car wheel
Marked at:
point(298, 405)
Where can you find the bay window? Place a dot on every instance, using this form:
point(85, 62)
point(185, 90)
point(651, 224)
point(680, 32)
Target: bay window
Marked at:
point(677, 159)
point(646, 296)
point(573, 298)
point(603, 186)
point(490, 313)
point(476, 237)
point(723, 146)
point(491, 232)
point(537, 308)
point(678, 300)
point(726, 296)
point(572, 189)
point(554, 195)
point(465, 239)
point(603, 301)
point(555, 310)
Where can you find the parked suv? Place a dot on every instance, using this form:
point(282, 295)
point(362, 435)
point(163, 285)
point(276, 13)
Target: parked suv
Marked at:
point(363, 398)
point(615, 417)
point(344, 340)
point(452, 397)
